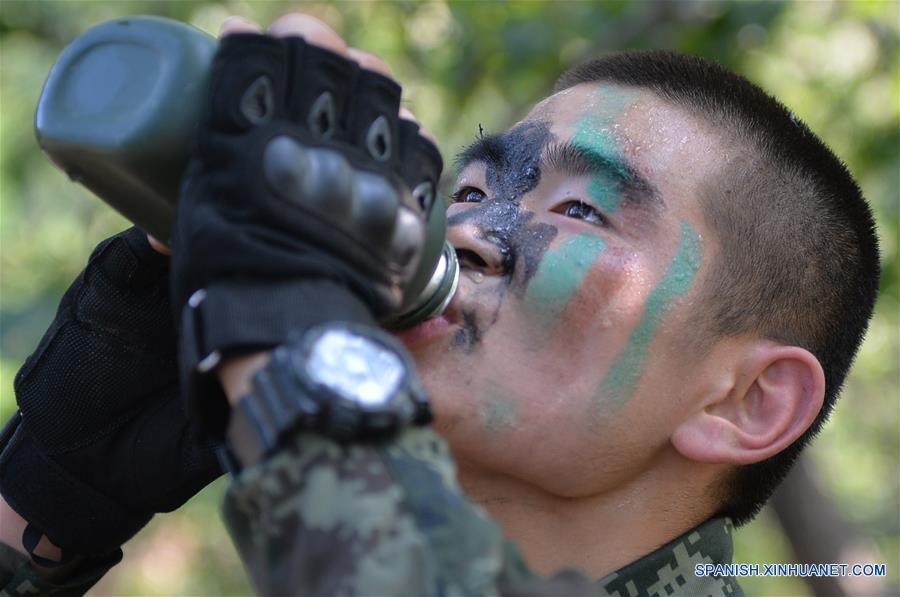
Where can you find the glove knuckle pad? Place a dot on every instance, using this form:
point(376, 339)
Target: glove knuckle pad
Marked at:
point(319, 180)
point(375, 203)
point(409, 234)
point(329, 183)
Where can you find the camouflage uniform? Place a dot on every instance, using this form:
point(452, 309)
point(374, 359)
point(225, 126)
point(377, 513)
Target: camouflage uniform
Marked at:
point(389, 519)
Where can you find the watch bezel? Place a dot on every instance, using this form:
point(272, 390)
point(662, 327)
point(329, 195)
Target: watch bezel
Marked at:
point(352, 418)
point(302, 355)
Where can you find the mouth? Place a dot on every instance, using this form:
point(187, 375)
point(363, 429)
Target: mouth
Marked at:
point(425, 332)
point(432, 328)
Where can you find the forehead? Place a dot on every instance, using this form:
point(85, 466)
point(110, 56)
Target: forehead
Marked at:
point(604, 103)
point(673, 149)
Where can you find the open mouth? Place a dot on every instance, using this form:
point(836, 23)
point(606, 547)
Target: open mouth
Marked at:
point(458, 319)
point(432, 328)
point(424, 332)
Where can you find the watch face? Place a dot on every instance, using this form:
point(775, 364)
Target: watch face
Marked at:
point(355, 367)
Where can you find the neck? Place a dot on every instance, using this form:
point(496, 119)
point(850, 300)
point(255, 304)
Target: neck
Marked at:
point(596, 534)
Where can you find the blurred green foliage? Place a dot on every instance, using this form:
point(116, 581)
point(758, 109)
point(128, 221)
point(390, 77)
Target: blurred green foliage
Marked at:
point(466, 64)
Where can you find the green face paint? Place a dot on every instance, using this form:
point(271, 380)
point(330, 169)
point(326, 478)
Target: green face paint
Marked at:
point(627, 369)
point(560, 275)
point(594, 135)
point(499, 412)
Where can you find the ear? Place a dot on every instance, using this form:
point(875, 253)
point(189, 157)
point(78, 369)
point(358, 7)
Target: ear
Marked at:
point(770, 398)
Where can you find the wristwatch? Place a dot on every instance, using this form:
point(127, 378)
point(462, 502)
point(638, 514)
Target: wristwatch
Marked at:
point(348, 381)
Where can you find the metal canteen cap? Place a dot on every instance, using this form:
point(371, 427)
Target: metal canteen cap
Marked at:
point(434, 298)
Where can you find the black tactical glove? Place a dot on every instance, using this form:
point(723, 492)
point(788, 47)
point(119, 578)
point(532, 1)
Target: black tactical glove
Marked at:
point(305, 201)
point(100, 442)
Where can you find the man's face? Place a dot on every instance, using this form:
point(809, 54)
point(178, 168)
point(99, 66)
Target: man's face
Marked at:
point(564, 362)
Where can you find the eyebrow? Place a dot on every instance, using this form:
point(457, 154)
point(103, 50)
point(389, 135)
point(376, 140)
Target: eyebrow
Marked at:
point(489, 149)
point(574, 160)
point(578, 160)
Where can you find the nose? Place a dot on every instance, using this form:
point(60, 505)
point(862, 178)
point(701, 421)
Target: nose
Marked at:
point(472, 250)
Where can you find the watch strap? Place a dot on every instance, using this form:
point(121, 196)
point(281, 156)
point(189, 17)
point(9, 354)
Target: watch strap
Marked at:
point(275, 406)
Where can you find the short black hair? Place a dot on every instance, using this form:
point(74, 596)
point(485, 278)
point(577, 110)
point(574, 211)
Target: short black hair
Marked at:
point(799, 260)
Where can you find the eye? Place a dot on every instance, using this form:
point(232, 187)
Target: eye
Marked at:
point(580, 210)
point(468, 195)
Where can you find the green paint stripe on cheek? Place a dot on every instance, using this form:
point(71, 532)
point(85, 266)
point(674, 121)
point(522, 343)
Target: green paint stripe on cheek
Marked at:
point(499, 413)
point(560, 276)
point(627, 369)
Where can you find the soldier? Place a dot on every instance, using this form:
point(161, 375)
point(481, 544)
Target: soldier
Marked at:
point(665, 277)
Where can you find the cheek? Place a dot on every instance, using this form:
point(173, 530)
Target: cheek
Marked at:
point(579, 339)
point(452, 391)
point(611, 292)
point(624, 376)
point(580, 291)
point(560, 277)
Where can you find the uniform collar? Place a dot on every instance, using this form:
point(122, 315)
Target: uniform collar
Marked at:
point(671, 569)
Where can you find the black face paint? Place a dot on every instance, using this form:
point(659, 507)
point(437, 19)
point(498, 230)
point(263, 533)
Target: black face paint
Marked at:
point(512, 169)
point(469, 334)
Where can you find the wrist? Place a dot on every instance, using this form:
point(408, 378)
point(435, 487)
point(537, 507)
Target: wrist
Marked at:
point(77, 516)
point(12, 529)
point(12, 533)
point(343, 380)
point(236, 374)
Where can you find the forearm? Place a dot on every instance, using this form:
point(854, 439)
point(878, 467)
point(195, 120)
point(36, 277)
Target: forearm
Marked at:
point(235, 374)
point(321, 516)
